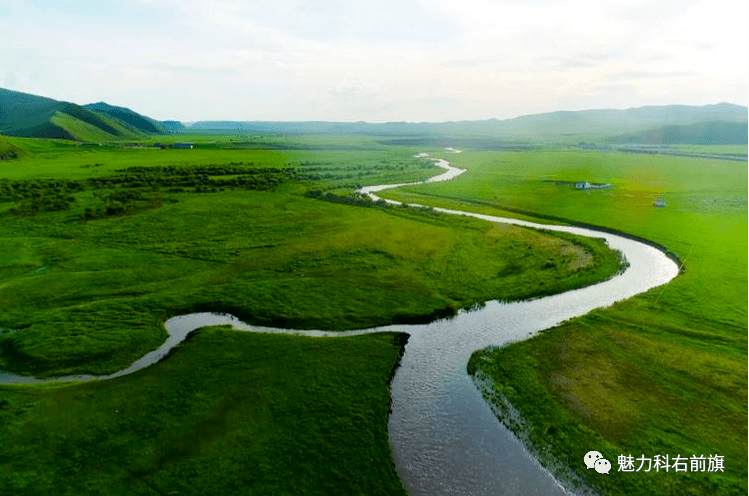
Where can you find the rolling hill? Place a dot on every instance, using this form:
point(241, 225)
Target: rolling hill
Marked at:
point(139, 122)
point(25, 115)
point(32, 116)
point(172, 125)
point(614, 122)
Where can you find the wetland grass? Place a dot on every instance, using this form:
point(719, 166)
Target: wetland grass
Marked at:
point(229, 411)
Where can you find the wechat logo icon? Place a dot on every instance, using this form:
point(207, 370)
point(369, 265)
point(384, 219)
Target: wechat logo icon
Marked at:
point(594, 459)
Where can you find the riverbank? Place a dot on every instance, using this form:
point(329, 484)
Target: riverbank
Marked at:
point(522, 428)
point(663, 373)
point(466, 451)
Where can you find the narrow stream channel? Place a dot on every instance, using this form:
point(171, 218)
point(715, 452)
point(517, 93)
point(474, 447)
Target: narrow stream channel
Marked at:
point(444, 436)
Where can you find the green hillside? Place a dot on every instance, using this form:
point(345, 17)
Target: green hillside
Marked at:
point(32, 116)
point(172, 125)
point(134, 119)
point(27, 115)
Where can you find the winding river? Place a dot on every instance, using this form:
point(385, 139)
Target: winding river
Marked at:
point(445, 438)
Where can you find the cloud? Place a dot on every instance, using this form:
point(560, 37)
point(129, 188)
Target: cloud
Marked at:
point(387, 60)
point(583, 59)
point(187, 70)
point(638, 75)
point(333, 21)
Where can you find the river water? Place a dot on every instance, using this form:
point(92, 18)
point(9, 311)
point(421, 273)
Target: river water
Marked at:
point(445, 438)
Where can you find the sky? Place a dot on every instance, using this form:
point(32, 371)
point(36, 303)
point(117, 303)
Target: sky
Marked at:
point(377, 61)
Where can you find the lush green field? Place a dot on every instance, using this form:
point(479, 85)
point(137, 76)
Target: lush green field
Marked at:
point(102, 244)
point(662, 373)
point(92, 266)
point(227, 413)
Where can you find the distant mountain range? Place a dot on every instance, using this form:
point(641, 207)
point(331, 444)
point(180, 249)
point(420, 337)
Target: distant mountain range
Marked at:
point(22, 114)
point(700, 133)
point(722, 123)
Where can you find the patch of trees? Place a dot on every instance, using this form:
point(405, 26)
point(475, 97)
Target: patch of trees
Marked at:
point(362, 200)
point(423, 213)
point(11, 190)
point(327, 171)
point(201, 178)
point(357, 199)
point(43, 203)
point(135, 188)
point(123, 202)
point(41, 195)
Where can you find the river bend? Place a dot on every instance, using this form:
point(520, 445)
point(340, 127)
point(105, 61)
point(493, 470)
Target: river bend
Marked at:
point(445, 438)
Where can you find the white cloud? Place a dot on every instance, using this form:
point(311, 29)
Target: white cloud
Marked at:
point(389, 60)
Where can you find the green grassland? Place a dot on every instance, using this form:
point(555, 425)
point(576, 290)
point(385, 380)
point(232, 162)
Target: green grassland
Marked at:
point(662, 373)
point(102, 244)
point(343, 158)
point(92, 267)
point(227, 413)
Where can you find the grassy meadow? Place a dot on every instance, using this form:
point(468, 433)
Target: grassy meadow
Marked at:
point(662, 373)
point(102, 244)
point(228, 413)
